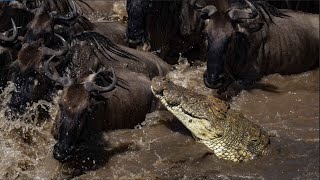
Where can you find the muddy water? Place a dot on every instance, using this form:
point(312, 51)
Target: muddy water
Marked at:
point(25, 140)
point(162, 148)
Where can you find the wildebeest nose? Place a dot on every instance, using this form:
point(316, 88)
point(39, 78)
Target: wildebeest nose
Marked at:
point(213, 81)
point(61, 153)
point(134, 43)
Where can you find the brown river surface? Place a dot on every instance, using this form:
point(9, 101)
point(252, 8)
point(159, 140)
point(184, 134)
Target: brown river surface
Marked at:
point(161, 148)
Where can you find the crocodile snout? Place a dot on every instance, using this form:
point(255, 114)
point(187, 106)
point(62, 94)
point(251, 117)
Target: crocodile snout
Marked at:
point(158, 84)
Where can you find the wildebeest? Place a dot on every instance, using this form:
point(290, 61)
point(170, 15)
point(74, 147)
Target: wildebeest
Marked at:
point(31, 84)
point(88, 104)
point(251, 40)
point(39, 42)
point(171, 27)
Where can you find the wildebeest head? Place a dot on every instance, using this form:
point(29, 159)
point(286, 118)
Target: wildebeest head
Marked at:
point(230, 33)
point(31, 83)
point(83, 80)
point(76, 107)
point(137, 17)
point(43, 23)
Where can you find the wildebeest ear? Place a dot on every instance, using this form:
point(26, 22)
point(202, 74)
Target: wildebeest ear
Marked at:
point(208, 11)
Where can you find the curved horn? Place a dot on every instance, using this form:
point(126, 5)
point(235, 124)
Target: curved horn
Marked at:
point(208, 11)
point(254, 10)
point(49, 51)
point(250, 5)
point(199, 4)
point(14, 34)
point(238, 14)
point(64, 81)
point(90, 85)
point(68, 20)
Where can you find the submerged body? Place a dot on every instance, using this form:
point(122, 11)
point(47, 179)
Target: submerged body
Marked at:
point(227, 132)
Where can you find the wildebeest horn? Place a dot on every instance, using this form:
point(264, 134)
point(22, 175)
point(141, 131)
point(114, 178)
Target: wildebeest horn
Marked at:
point(199, 4)
point(49, 51)
point(64, 81)
point(90, 85)
point(250, 5)
point(14, 33)
point(238, 14)
point(65, 19)
point(208, 11)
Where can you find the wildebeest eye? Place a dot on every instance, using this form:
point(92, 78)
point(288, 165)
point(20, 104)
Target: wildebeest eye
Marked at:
point(252, 27)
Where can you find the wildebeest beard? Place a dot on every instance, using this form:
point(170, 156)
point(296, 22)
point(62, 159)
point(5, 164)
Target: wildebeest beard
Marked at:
point(70, 133)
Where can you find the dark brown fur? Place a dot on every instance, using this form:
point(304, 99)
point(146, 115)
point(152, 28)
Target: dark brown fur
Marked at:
point(287, 43)
point(172, 27)
point(82, 111)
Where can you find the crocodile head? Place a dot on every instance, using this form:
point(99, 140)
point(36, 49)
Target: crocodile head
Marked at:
point(228, 133)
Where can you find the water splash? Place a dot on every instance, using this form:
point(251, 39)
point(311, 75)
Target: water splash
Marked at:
point(26, 139)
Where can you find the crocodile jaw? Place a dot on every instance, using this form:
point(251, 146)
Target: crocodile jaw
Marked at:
point(201, 129)
point(204, 132)
point(198, 129)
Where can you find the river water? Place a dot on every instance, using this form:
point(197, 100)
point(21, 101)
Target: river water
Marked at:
point(161, 148)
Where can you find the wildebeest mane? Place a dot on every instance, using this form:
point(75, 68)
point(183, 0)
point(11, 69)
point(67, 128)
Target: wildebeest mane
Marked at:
point(271, 11)
point(265, 10)
point(104, 45)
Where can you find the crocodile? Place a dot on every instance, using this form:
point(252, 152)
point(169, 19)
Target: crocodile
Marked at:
point(212, 122)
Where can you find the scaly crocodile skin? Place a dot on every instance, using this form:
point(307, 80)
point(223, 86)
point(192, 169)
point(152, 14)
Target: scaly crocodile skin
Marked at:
point(228, 133)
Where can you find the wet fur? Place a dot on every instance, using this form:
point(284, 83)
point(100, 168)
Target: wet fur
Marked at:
point(173, 27)
point(287, 43)
point(123, 107)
